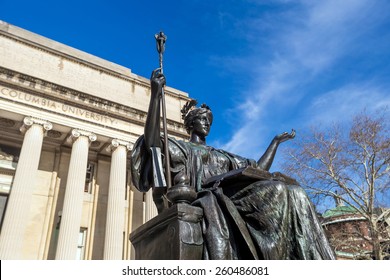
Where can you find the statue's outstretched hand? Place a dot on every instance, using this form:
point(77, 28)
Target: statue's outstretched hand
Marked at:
point(285, 136)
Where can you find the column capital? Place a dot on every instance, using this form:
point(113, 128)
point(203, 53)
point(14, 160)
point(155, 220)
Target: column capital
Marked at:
point(29, 121)
point(76, 133)
point(115, 143)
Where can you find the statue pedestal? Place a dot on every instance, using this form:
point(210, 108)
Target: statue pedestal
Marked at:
point(175, 234)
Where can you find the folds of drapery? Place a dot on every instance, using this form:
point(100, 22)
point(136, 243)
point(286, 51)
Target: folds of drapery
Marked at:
point(243, 219)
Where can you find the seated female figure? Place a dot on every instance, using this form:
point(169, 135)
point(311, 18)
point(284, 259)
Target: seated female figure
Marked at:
point(249, 219)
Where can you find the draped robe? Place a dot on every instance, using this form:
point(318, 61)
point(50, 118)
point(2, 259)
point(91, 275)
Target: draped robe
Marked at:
point(247, 219)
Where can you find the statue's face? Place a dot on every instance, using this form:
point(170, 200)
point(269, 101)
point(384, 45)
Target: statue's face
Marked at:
point(201, 125)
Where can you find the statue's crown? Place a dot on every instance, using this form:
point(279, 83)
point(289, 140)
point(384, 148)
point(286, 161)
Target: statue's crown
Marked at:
point(189, 106)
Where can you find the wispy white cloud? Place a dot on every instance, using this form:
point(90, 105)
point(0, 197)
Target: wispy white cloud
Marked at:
point(342, 104)
point(306, 43)
point(330, 28)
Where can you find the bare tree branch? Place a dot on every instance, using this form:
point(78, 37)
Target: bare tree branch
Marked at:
point(352, 166)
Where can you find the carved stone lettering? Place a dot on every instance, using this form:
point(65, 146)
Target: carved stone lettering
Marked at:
point(55, 106)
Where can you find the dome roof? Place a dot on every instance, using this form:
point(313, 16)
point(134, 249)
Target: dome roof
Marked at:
point(339, 211)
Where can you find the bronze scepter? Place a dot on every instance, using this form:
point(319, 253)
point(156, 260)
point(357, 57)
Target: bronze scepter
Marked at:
point(160, 43)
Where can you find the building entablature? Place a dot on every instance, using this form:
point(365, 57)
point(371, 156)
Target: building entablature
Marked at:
point(66, 108)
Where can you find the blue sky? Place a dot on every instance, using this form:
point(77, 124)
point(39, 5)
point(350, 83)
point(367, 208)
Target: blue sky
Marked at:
point(263, 67)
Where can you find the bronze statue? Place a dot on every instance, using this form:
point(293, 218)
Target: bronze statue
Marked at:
point(265, 216)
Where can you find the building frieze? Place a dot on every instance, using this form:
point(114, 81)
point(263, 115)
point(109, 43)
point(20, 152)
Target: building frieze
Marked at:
point(43, 88)
point(35, 92)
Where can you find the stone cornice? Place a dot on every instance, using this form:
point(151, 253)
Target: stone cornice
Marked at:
point(71, 54)
point(52, 47)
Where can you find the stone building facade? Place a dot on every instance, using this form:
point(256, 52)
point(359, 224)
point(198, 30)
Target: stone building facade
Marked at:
point(68, 121)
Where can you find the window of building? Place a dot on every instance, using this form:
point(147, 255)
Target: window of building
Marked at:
point(3, 204)
point(6, 179)
point(89, 177)
point(81, 244)
point(9, 157)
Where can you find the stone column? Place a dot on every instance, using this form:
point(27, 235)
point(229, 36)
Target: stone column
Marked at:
point(19, 201)
point(113, 242)
point(74, 193)
point(150, 207)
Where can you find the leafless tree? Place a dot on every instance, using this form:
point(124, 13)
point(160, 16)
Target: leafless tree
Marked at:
point(350, 165)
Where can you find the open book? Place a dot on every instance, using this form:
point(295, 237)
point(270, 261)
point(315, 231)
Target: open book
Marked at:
point(248, 173)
